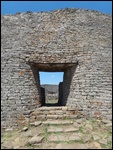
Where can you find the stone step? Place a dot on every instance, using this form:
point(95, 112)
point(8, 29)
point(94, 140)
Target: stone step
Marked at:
point(54, 129)
point(57, 122)
point(40, 117)
point(35, 140)
point(58, 109)
point(70, 116)
point(62, 129)
point(52, 116)
point(57, 138)
point(61, 116)
point(64, 108)
point(45, 108)
point(64, 122)
point(59, 112)
point(52, 112)
point(70, 129)
point(36, 123)
point(64, 138)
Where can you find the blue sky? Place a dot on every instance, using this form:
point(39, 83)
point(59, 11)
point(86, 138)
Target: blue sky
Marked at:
point(11, 7)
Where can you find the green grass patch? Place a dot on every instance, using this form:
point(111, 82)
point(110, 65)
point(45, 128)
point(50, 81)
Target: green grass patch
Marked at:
point(29, 146)
point(9, 134)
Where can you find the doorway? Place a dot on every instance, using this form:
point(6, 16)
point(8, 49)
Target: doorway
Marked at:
point(51, 88)
point(64, 86)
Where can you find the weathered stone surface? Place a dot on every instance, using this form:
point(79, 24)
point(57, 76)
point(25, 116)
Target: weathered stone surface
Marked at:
point(59, 112)
point(35, 140)
point(109, 124)
point(70, 129)
point(103, 141)
point(95, 145)
point(28, 133)
point(54, 129)
point(52, 116)
point(76, 124)
point(75, 146)
point(25, 129)
point(79, 134)
point(96, 137)
point(41, 117)
point(110, 139)
point(86, 138)
point(27, 112)
point(58, 146)
point(71, 146)
point(74, 137)
point(75, 41)
point(52, 122)
point(106, 121)
point(64, 108)
point(36, 123)
point(66, 122)
point(80, 121)
point(9, 129)
point(44, 108)
point(89, 126)
point(70, 116)
point(71, 108)
point(56, 138)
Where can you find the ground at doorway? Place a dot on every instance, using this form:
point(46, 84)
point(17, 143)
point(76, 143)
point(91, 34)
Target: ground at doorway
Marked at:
point(60, 134)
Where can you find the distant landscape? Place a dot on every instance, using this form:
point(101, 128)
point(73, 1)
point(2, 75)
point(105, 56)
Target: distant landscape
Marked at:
point(51, 93)
point(50, 88)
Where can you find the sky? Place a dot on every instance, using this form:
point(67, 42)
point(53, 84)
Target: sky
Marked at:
point(11, 7)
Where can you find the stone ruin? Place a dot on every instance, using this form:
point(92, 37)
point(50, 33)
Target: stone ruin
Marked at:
point(50, 94)
point(77, 42)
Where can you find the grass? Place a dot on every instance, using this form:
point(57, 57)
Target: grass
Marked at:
point(10, 134)
point(108, 146)
point(28, 146)
point(52, 101)
point(81, 129)
point(45, 133)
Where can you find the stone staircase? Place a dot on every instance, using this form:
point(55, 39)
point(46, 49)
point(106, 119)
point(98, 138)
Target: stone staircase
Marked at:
point(61, 128)
point(64, 128)
point(61, 124)
point(69, 134)
point(56, 112)
point(57, 131)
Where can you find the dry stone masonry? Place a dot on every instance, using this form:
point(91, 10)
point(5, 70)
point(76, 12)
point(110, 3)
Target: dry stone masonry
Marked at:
point(75, 41)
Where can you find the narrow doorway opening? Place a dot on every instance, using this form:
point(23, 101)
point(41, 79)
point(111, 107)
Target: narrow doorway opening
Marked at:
point(51, 88)
point(64, 85)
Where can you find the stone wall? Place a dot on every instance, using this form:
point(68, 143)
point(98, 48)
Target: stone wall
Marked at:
point(76, 36)
point(42, 96)
point(60, 93)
